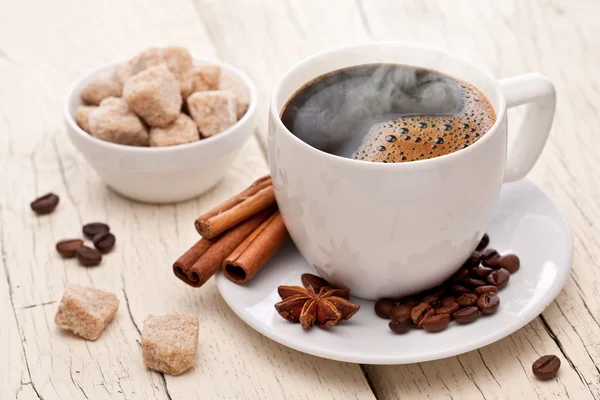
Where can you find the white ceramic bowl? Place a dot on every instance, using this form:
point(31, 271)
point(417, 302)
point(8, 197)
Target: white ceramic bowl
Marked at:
point(161, 174)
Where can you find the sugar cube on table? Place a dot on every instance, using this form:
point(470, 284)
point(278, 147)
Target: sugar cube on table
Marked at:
point(154, 94)
point(114, 122)
point(213, 111)
point(182, 130)
point(86, 311)
point(170, 342)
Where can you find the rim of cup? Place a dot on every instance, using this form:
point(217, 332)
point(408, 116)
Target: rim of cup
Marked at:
point(73, 91)
point(500, 109)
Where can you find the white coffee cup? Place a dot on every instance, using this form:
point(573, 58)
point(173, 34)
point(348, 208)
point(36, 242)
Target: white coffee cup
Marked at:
point(388, 230)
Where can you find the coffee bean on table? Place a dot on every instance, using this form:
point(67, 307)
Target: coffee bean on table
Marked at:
point(93, 228)
point(472, 282)
point(499, 278)
point(88, 256)
point(401, 325)
point(483, 243)
point(436, 323)
point(466, 315)
point(45, 204)
point(546, 367)
point(419, 311)
point(481, 272)
point(400, 312)
point(488, 303)
point(489, 253)
point(467, 299)
point(485, 289)
point(447, 309)
point(104, 241)
point(67, 247)
point(430, 299)
point(510, 262)
point(383, 308)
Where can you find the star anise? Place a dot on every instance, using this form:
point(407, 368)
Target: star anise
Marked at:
point(327, 308)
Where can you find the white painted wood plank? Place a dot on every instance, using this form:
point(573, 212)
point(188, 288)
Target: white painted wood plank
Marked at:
point(43, 47)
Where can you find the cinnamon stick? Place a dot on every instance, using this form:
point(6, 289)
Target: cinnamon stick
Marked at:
point(257, 197)
point(211, 253)
point(252, 254)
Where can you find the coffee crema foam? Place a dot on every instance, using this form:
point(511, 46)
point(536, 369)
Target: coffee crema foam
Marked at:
point(388, 113)
point(421, 137)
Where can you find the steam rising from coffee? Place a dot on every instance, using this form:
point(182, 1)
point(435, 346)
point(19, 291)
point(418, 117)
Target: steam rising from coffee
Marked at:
point(355, 111)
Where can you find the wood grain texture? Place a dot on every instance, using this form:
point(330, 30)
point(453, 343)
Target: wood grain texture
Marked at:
point(555, 37)
point(43, 48)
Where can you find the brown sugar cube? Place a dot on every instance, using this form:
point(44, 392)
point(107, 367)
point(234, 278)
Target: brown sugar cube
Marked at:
point(170, 342)
point(213, 111)
point(100, 88)
point(232, 84)
point(154, 95)
point(182, 130)
point(86, 311)
point(114, 122)
point(178, 61)
point(205, 77)
point(82, 116)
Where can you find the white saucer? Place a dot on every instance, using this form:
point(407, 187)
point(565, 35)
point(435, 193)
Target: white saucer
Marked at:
point(527, 223)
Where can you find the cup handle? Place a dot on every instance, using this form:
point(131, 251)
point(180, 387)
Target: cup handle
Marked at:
point(537, 93)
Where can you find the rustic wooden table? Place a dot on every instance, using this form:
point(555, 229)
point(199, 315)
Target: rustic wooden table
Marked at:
point(44, 46)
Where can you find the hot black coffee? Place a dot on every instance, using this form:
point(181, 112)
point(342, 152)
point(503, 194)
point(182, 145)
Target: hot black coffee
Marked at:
point(388, 113)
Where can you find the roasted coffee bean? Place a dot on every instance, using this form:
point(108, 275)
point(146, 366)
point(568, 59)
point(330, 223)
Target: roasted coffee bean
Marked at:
point(492, 259)
point(447, 300)
point(460, 275)
point(428, 314)
point(488, 303)
point(104, 241)
point(430, 299)
point(499, 278)
point(481, 272)
point(67, 247)
point(485, 289)
point(447, 309)
point(472, 282)
point(418, 312)
point(466, 315)
point(510, 262)
point(467, 299)
point(88, 256)
point(410, 301)
point(45, 204)
point(546, 367)
point(93, 228)
point(473, 260)
point(399, 312)
point(436, 323)
point(383, 308)
point(483, 243)
point(313, 280)
point(400, 325)
point(458, 289)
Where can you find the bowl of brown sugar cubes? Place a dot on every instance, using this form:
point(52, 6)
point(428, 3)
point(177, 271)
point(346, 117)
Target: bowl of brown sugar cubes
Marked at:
point(162, 126)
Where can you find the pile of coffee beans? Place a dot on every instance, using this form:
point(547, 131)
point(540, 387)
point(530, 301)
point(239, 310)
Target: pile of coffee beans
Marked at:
point(469, 293)
point(101, 237)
